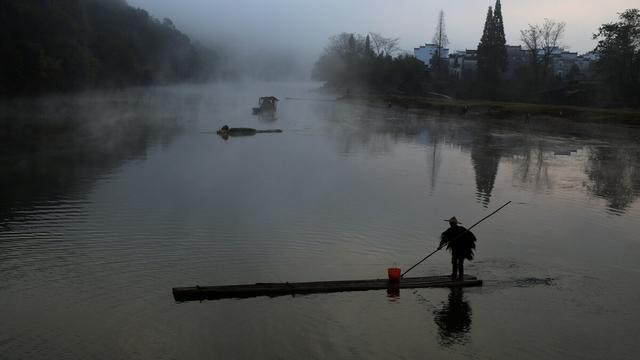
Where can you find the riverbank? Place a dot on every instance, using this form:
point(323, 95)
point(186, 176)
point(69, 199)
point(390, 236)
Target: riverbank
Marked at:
point(502, 110)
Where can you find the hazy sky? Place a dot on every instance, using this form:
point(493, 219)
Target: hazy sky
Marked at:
point(307, 24)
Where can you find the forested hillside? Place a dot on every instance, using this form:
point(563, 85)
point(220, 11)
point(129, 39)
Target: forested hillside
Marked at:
point(70, 45)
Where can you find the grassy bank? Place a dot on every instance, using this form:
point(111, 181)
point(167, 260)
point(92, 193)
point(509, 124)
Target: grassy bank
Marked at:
point(497, 109)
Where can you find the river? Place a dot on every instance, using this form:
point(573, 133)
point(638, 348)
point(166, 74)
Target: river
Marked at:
point(109, 200)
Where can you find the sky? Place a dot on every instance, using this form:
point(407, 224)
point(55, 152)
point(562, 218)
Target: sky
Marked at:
point(305, 25)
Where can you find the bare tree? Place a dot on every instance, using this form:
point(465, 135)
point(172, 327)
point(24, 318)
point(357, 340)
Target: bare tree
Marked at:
point(551, 32)
point(440, 38)
point(531, 37)
point(383, 45)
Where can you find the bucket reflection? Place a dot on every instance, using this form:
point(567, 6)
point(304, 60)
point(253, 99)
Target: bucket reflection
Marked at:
point(393, 293)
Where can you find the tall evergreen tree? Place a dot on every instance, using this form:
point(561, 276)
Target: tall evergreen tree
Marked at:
point(352, 45)
point(500, 41)
point(367, 47)
point(486, 59)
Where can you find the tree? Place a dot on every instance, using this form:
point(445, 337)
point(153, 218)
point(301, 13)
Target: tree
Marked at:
point(384, 45)
point(349, 62)
point(619, 51)
point(541, 41)
point(532, 40)
point(486, 60)
point(500, 41)
point(332, 66)
point(492, 50)
point(367, 47)
point(441, 40)
point(352, 44)
point(72, 45)
point(551, 32)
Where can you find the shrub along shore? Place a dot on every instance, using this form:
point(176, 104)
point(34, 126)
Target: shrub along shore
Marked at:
point(500, 109)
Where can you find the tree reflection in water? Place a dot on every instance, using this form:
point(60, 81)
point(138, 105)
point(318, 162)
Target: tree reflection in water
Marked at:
point(485, 157)
point(531, 166)
point(614, 174)
point(453, 319)
point(532, 151)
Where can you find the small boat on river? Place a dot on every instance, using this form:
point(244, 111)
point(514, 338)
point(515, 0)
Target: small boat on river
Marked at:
point(226, 131)
point(266, 104)
point(280, 289)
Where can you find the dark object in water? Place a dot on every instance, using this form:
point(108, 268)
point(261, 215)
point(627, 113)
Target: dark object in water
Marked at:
point(280, 289)
point(266, 104)
point(226, 131)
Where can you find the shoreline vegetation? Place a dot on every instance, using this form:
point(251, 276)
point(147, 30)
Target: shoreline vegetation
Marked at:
point(498, 109)
point(77, 46)
point(537, 73)
point(68, 46)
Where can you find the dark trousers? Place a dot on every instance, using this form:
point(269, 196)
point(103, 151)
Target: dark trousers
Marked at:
point(458, 267)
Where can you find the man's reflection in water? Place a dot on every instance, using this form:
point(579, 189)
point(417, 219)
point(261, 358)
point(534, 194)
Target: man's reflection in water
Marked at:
point(453, 319)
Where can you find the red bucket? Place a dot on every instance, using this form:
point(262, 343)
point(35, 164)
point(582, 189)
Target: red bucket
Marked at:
point(394, 274)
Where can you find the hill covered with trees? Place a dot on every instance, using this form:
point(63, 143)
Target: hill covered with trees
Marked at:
point(71, 45)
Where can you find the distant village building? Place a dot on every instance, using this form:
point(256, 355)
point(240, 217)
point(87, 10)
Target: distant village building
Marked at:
point(463, 64)
point(426, 52)
point(565, 65)
point(571, 66)
point(517, 58)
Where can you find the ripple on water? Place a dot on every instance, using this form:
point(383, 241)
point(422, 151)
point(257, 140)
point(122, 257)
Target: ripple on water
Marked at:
point(89, 276)
point(532, 281)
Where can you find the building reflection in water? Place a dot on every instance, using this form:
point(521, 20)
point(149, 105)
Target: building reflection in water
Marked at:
point(453, 319)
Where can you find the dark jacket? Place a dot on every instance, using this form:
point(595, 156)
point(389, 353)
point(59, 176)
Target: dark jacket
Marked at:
point(459, 242)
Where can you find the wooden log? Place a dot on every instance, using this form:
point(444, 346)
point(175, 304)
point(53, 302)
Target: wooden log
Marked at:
point(279, 289)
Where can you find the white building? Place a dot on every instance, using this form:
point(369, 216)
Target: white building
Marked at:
point(574, 65)
point(564, 65)
point(463, 64)
point(426, 52)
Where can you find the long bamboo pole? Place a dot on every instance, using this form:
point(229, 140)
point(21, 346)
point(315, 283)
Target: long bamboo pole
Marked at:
point(467, 230)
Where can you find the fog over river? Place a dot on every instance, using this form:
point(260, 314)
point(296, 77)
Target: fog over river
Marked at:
point(109, 200)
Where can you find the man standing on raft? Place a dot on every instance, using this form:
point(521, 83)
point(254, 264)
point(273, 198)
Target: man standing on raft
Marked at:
point(461, 243)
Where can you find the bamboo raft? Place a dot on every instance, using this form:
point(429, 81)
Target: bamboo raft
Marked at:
point(280, 289)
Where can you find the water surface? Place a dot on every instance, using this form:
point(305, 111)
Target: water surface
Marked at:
point(110, 200)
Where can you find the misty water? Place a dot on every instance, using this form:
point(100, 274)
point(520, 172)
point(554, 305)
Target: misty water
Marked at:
point(110, 200)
